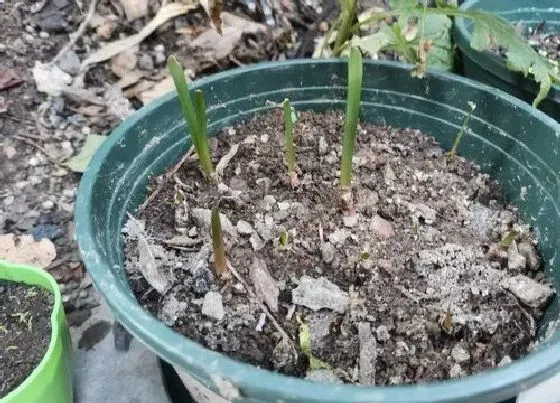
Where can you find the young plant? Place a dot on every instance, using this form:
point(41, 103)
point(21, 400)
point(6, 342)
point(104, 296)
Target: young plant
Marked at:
point(220, 262)
point(289, 137)
point(195, 115)
point(355, 73)
point(305, 346)
point(461, 133)
point(283, 240)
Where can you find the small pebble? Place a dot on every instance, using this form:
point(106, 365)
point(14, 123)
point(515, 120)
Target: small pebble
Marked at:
point(212, 305)
point(47, 205)
point(382, 333)
point(381, 227)
point(145, 62)
point(456, 371)
point(459, 354)
point(10, 152)
point(350, 220)
point(244, 228)
point(327, 252)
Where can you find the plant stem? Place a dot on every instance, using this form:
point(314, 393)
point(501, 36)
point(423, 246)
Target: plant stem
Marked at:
point(220, 262)
point(348, 12)
point(204, 149)
point(355, 73)
point(461, 133)
point(289, 137)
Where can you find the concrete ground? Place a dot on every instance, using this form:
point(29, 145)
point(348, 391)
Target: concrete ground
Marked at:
point(102, 374)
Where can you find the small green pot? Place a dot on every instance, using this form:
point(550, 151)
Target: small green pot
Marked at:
point(491, 68)
point(51, 381)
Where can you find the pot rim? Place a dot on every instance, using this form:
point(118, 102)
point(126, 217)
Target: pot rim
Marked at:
point(175, 348)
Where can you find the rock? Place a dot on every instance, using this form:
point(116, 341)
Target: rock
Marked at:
point(19, 46)
point(422, 212)
point(382, 333)
point(323, 375)
point(505, 361)
point(266, 287)
point(145, 62)
point(281, 215)
point(10, 152)
point(172, 309)
point(327, 252)
point(269, 202)
point(459, 354)
point(338, 236)
point(256, 241)
point(244, 228)
point(389, 175)
point(516, 261)
point(350, 220)
point(320, 293)
point(201, 285)
point(159, 54)
point(47, 205)
point(381, 227)
point(265, 230)
point(261, 322)
point(528, 291)
point(319, 324)
point(212, 305)
point(456, 371)
point(368, 354)
point(283, 205)
point(530, 254)
point(323, 147)
point(69, 63)
point(49, 231)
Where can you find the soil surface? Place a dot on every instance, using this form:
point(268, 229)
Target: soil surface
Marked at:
point(25, 331)
point(432, 275)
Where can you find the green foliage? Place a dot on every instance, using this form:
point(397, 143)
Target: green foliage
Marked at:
point(220, 262)
point(461, 133)
point(355, 73)
point(305, 346)
point(283, 240)
point(289, 136)
point(429, 45)
point(195, 115)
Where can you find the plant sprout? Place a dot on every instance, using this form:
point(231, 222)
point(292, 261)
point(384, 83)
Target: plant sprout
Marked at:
point(195, 115)
point(461, 133)
point(355, 73)
point(283, 240)
point(289, 137)
point(305, 346)
point(220, 263)
point(24, 318)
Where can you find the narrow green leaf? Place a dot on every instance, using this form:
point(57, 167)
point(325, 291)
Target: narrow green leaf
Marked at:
point(204, 154)
point(289, 137)
point(220, 263)
point(355, 73)
point(197, 134)
point(305, 346)
point(283, 240)
point(79, 162)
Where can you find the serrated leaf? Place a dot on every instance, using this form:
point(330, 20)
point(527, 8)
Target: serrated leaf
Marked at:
point(79, 162)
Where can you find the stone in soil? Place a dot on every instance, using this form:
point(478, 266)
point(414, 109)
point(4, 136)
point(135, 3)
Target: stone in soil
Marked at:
point(416, 276)
point(25, 331)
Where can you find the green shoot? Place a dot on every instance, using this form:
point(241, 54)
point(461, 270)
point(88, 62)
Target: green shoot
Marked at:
point(509, 238)
point(305, 346)
point(283, 240)
point(195, 115)
point(220, 263)
point(289, 137)
point(461, 133)
point(355, 73)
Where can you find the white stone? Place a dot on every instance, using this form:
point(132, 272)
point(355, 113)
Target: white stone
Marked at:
point(320, 293)
point(459, 354)
point(528, 290)
point(212, 305)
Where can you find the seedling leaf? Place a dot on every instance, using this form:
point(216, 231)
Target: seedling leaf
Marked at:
point(355, 73)
point(80, 161)
point(289, 136)
point(461, 133)
point(305, 346)
point(220, 263)
point(194, 119)
point(283, 239)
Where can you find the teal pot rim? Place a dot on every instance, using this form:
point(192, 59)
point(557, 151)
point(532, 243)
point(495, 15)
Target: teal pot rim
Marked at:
point(496, 384)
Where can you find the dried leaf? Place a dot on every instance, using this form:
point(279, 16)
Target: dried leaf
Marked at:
point(111, 49)
point(124, 62)
point(79, 162)
point(266, 286)
point(25, 250)
point(135, 8)
point(214, 10)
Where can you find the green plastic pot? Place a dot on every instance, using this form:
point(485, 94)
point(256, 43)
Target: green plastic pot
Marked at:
point(515, 143)
point(51, 381)
point(491, 68)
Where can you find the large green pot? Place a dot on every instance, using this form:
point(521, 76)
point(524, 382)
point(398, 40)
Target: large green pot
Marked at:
point(491, 68)
point(51, 381)
point(516, 144)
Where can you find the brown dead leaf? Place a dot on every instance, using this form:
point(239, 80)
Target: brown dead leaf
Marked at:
point(9, 78)
point(25, 250)
point(214, 10)
point(111, 49)
point(135, 8)
point(160, 88)
point(90, 110)
point(131, 78)
point(220, 46)
point(124, 62)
